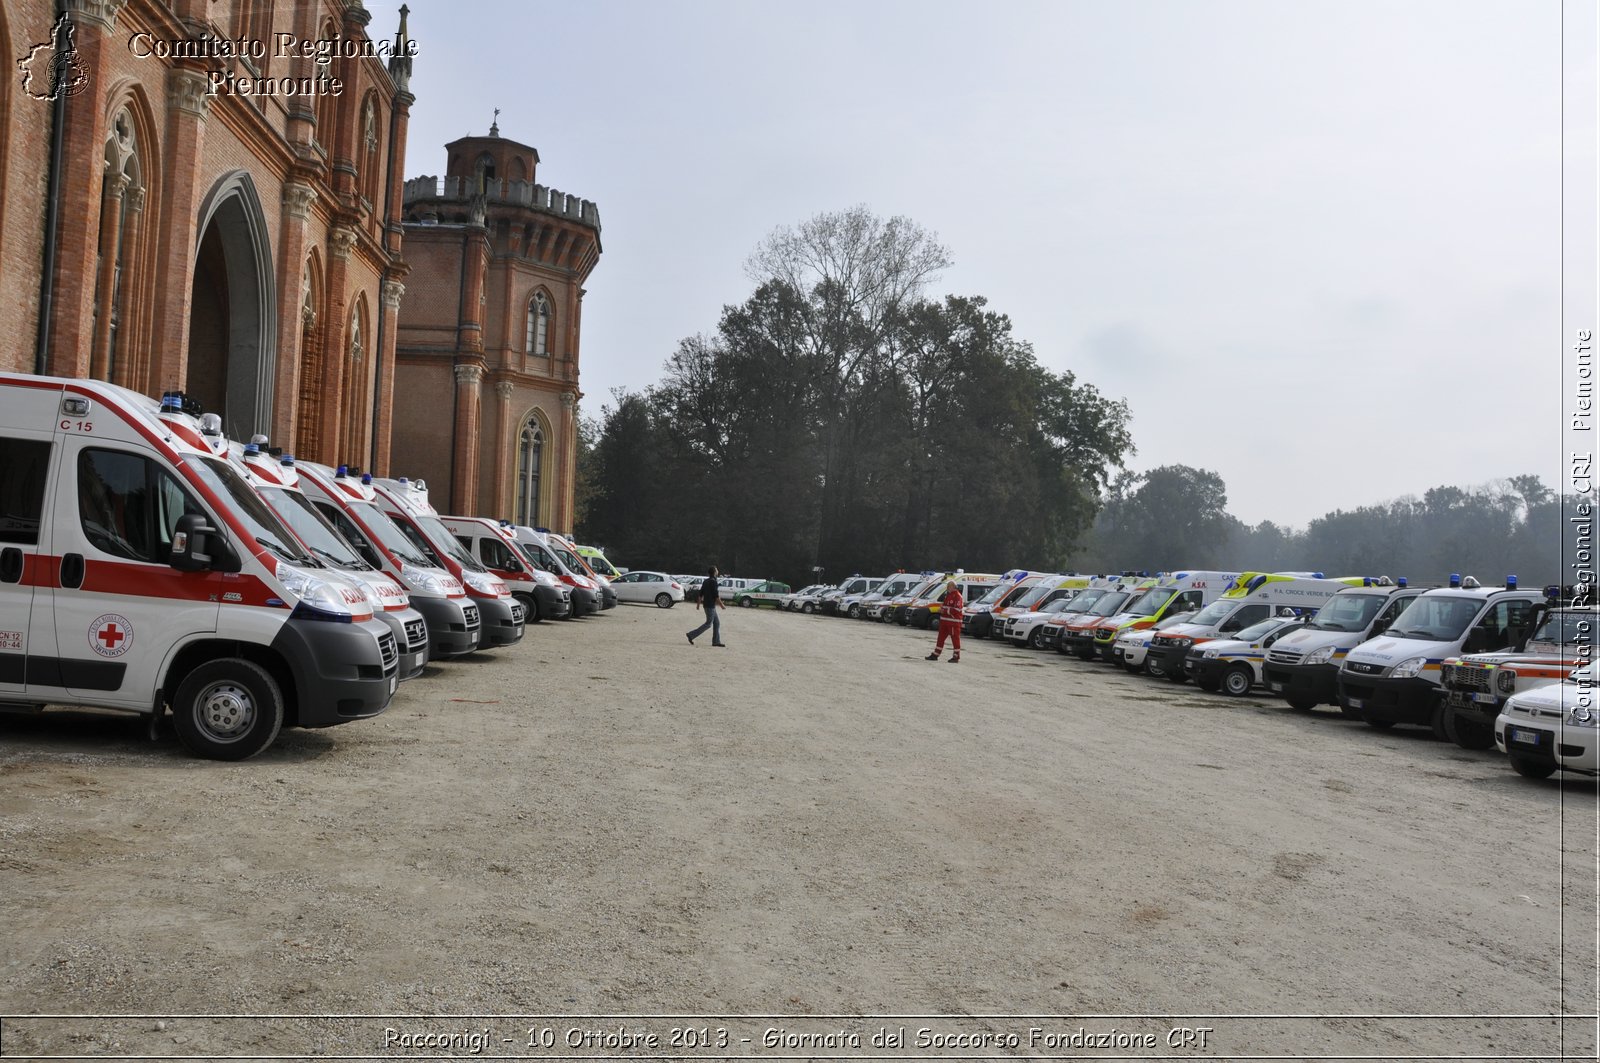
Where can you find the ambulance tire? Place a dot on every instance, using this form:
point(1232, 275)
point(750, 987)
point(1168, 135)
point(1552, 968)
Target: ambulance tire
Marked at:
point(1177, 675)
point(1210, 686)
point(1237, 681)
point(1036, 639)
point(229, 709)
point(1381, 725)
point(530, 608)
point(1440, 724)
point(1301, 702)
point(663, 600)
point(1154, 667)
point(855, 611)
point(1468, 734)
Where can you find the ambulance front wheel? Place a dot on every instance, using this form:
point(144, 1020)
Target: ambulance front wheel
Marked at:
point(227, 710)
point(1237, 681)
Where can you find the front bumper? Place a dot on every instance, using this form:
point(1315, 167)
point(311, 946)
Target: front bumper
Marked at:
point(454, 625)
point(1475, 705)
point(1549, 742)
point(502, 621)
point(342, 672)
point(1382, 698)
point(1303, 681)
point(554, 602)
point(1130, 654)
point(410, 632)
point(585, 602)
point(978, 625)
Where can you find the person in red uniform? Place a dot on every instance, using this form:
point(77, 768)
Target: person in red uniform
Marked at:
point(951, 611)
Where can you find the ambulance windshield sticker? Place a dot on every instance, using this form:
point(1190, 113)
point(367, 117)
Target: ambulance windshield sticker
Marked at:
point(110, 635)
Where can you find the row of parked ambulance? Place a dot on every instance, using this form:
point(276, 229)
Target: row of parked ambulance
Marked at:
point(148, 564)
point(1503, 666)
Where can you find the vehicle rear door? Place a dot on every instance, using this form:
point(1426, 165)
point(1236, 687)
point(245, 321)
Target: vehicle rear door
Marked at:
point(26, 447)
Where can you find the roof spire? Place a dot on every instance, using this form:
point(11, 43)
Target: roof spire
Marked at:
point(400, 61)
point(494, 126)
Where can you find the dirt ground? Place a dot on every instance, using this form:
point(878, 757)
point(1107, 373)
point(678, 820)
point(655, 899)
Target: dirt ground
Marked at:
point(809, 828)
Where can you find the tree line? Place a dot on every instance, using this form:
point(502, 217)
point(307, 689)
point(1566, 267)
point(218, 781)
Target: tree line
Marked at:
point(840, 420)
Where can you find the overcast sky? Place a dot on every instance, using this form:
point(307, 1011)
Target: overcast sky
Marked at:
point(1316, 246)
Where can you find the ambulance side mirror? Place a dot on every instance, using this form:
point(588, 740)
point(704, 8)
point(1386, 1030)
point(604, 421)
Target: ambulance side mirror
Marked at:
point(197, 546)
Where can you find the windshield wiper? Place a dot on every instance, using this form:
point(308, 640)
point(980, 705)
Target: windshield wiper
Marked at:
point(283, 551)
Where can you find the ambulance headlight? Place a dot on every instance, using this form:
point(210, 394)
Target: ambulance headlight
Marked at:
point(1209, 655)
point(484, 584)
point(1408, 669)
point(1322, 656)
point(423, 580)
point(1505, 680)
point(1583, 716)
point(321, 599)
point(544, 579)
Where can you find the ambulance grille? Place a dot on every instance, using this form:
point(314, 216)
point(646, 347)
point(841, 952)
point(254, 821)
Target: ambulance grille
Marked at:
point(388, 649)
point(470, 612)
point(1284, 656)
point(516, 612)
point(1465, 677)
point(416, 634)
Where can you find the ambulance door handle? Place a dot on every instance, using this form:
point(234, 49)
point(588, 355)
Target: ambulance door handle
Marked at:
point(72, 571)
point(10, 565)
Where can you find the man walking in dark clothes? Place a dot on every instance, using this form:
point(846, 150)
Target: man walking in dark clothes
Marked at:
point(709, 601)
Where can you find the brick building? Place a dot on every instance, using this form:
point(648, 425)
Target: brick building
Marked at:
point(486, 377)
point(161, 228)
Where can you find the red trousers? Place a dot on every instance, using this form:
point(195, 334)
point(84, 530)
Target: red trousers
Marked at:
point(950, 629)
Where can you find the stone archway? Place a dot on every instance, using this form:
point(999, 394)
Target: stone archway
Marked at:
point(232, 338)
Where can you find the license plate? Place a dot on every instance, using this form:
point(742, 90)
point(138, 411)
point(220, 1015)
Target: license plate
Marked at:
point(1276, 688)
point(1457, 699)
point(393, 681)
point(1354, 703)
point(1529, 738)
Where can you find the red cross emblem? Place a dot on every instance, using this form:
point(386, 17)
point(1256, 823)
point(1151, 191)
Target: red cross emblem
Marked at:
point(111, 635)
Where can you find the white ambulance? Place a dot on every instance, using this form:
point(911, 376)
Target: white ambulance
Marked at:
point(406, 503)
point(277, 481)
point(1395, 678)
point(140, 572)
point(544, 552)
point(876, 601)
point(350, 504)
point(542, 595)
point(1257, 597)
point(1476, 686)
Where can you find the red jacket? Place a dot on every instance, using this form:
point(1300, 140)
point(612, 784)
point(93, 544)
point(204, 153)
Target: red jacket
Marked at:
point(952, 609)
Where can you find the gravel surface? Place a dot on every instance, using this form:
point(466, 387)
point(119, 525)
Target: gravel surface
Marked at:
point(811, 824)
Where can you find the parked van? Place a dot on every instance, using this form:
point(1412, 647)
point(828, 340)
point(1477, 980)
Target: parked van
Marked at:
point(978, 619)
point(569, 555)
point(277, 481)
point(596, 560)
point(923, 612)
point(584, 591)
point(140, 572)
point(455, 626)
point(850, 591)
point(406, 503)
point(1076, 636)
point(490, 541)
point(1303, 666)
point(1022, 621)
point(1233, 665)
point(1395, 678)
point(1256, 597)
point(877, 601)
point(1053, 634)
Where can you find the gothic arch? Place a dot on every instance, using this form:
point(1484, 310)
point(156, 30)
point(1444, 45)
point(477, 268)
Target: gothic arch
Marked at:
point(539, 323)
point(232, 334)
point(308, 409)
point(359, 349)
point(126, 355)
point(533, 489)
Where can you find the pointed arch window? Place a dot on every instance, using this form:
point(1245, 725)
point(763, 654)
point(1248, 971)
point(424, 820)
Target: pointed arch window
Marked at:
point(530, 465)
point(538, 331)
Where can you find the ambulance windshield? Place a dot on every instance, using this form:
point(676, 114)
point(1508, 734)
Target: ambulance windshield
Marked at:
point(256, 516)
point(1152, 602)
point(1109, 604)
point(388, 535)
point(1348, 612)
point(308, 524)
point(434, 528)
point(1437, 618)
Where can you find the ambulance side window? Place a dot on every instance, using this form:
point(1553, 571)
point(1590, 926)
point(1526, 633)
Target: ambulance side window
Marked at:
point(495, 555)
point(23, 466)
point(129, 506)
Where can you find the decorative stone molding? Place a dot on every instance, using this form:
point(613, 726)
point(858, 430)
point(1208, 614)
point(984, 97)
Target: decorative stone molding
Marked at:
point(469, 375)
point(297, 199)
point(186, 92)
point(102, 13)
point(393, 292)
point(340, 241)
point(136, 200)
point(116, 184)
point(568, 400)
point(505, 389)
